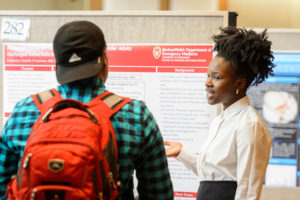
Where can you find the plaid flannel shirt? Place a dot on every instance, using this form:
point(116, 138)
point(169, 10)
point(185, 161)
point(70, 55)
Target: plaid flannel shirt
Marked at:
point(140, 144)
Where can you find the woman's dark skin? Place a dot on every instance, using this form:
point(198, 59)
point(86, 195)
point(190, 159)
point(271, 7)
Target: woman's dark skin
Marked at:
point(221, 87)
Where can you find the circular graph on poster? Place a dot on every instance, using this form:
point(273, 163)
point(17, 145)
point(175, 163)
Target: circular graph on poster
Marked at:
point(279, 107)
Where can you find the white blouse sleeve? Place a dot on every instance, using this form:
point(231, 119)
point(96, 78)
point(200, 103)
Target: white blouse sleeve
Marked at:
point(189, 159)
point(253, 151)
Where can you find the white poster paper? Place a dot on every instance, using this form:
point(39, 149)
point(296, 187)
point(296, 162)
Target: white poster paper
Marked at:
point(15, 29)
point(169, 78)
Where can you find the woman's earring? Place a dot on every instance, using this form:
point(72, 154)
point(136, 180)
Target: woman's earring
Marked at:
point(237, 91)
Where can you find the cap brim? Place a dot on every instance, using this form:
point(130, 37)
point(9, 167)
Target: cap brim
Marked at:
point(69, 74)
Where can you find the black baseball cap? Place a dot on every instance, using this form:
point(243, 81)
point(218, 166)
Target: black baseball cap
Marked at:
point(78, 47)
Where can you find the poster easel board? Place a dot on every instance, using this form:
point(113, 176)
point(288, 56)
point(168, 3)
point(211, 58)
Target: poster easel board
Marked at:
point(170, 27)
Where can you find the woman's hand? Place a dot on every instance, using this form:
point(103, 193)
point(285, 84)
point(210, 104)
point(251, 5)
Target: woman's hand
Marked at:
point(174, 148)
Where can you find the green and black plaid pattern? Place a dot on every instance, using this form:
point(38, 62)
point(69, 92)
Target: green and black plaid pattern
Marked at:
point(140, 144)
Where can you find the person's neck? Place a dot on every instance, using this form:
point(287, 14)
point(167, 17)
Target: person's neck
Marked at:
point(237, 98)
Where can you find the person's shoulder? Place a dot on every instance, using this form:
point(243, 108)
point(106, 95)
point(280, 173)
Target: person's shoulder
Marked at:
point(253, 115)
point(22, 109)
point(25, 102)
point(135, 106)
point(136, 102)
point(252, 118)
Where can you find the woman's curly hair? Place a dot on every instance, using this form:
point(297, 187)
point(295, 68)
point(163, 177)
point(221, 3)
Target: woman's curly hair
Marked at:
point(249, 53)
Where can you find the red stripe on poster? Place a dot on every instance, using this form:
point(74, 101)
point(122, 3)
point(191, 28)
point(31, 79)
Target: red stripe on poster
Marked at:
point(28, 68)
point(185, 194)
point(160, 55)
point(182, 70)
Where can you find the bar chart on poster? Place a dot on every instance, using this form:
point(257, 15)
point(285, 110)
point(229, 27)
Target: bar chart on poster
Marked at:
point(169, 78)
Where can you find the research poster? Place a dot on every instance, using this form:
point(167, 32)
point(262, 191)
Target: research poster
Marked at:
point(169, 78)
point(277, 100)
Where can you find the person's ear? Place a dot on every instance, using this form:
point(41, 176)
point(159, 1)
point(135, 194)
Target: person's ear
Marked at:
point(104, 61)
point(240, 84)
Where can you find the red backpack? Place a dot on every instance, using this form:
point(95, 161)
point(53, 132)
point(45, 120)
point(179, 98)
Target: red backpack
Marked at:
point(71, 152)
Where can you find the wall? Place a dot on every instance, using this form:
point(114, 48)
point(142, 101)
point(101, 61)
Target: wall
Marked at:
point(254, 13)
point(266, 13)
point(26, 5)
point(68, 4)
point(45, 5)
point(131, 5)
point(295, 15)
point(209, 5)
point(116, 5)
point(175, 5)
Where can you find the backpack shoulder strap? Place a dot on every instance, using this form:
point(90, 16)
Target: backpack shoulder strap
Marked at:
point(44, 100)
point(109, 103)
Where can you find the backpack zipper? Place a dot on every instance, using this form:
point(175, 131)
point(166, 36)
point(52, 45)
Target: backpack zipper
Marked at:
point(33, 193)
point(25, 164)
point(118, 176)
point(100, 196)
point(84, 176)
point(111, 180)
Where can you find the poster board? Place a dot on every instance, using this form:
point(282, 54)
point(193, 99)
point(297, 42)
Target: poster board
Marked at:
point(184, 39)
point(169, 78)
point(162, 27)
point(284, 39)
point(277, 100)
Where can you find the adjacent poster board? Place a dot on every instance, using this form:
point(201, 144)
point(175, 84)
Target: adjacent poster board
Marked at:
point(173, 89)
point(168, 77)
point(277, 100)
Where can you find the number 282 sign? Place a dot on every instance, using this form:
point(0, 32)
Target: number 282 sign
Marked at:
point(15, 29)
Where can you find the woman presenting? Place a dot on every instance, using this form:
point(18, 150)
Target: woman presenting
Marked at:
point(233, 160)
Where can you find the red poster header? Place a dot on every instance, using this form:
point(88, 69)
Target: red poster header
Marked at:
point(160, 55)
point(122, 58)
point(28, 54)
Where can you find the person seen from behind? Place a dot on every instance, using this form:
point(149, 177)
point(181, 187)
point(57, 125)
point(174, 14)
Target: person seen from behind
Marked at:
point(82, 69)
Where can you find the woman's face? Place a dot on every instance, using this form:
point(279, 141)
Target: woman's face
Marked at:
point(220, 83)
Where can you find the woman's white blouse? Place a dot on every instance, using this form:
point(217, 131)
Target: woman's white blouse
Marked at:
point(237, 148)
